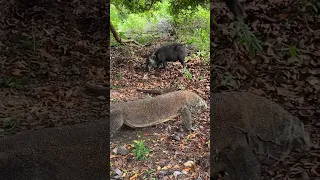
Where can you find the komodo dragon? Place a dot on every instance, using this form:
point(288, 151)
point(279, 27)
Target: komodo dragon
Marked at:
point(248, 130)
point(151, 111)
point(59, 153)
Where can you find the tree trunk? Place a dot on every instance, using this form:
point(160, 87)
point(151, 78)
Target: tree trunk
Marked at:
point(115, 34)
point(118, 38)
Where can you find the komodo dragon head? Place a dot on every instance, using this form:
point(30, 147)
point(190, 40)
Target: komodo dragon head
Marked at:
point(196, 101)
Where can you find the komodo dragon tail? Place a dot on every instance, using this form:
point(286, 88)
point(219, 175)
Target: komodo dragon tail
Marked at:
point(71, 152)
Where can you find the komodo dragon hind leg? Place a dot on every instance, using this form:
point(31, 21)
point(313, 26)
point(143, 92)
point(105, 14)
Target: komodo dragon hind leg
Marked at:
point(241, 164)
point(187, 118)
point(116, 120)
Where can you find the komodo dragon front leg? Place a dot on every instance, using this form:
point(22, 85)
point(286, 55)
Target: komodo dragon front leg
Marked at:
point(116, 120)
point(238, 160)
point(187, 118)
point(241, 162)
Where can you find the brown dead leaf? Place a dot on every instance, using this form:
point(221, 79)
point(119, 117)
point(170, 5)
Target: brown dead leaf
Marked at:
point(312, 80)
point(316, 53)
point(44, 53)
point(81, 46)
point(315, 71)
point(135, 176)
point(21, 64)
point(69, 104)
point(285, 92)
point(17, 72)
point(295, 61)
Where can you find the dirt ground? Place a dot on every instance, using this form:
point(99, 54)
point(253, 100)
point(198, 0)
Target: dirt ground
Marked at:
point(168, 155)
point(48, 51)
point(293, 82)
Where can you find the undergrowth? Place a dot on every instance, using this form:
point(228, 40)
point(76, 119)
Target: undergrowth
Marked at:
point(188, 27)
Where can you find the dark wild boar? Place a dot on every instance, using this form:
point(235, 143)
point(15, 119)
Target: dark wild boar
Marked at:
point(167, 53)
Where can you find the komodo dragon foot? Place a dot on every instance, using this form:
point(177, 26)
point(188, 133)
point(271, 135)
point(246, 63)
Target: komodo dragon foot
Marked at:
point(239, 161)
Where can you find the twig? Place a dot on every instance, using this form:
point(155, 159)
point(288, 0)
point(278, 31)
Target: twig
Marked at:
point(97, 89)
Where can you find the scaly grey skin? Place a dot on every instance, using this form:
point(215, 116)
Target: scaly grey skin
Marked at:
point(248, 130)
point(151, 111)
point(59, 153)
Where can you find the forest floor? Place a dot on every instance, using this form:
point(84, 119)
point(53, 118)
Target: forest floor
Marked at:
point(127, 74)
point(48, 51)
point(287, 70)
point(44, 64)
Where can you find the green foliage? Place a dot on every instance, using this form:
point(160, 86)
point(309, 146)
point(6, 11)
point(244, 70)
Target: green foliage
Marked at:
point(149, 173)
point(118, 76)
point(189, 22)
point(14, 82)
point(131, 25)
point(180, 86)
point(248, 39)
point(309, 6)
point(9, 123)
point(187, 74)
point(27, 44)
point(135, 6)
point(115, 86)
point(293, 51)
point(140, 150)
point(179, 5)
point(138, 6)
point(161, 9)
point(229, 81)
point(193, 27)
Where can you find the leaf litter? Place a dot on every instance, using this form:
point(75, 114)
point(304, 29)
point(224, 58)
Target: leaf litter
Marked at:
point(48, 51)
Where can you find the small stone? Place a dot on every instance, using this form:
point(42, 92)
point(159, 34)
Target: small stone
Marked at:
point(162, 173)
point(118, 172)
point(102, 98)
point(184, 172)
point(189, 164)
point(176, 173)
point(176, 137)
point(122, 150)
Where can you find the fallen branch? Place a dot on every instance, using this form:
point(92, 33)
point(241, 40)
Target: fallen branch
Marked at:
point(102, 90)
point(158, 91)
